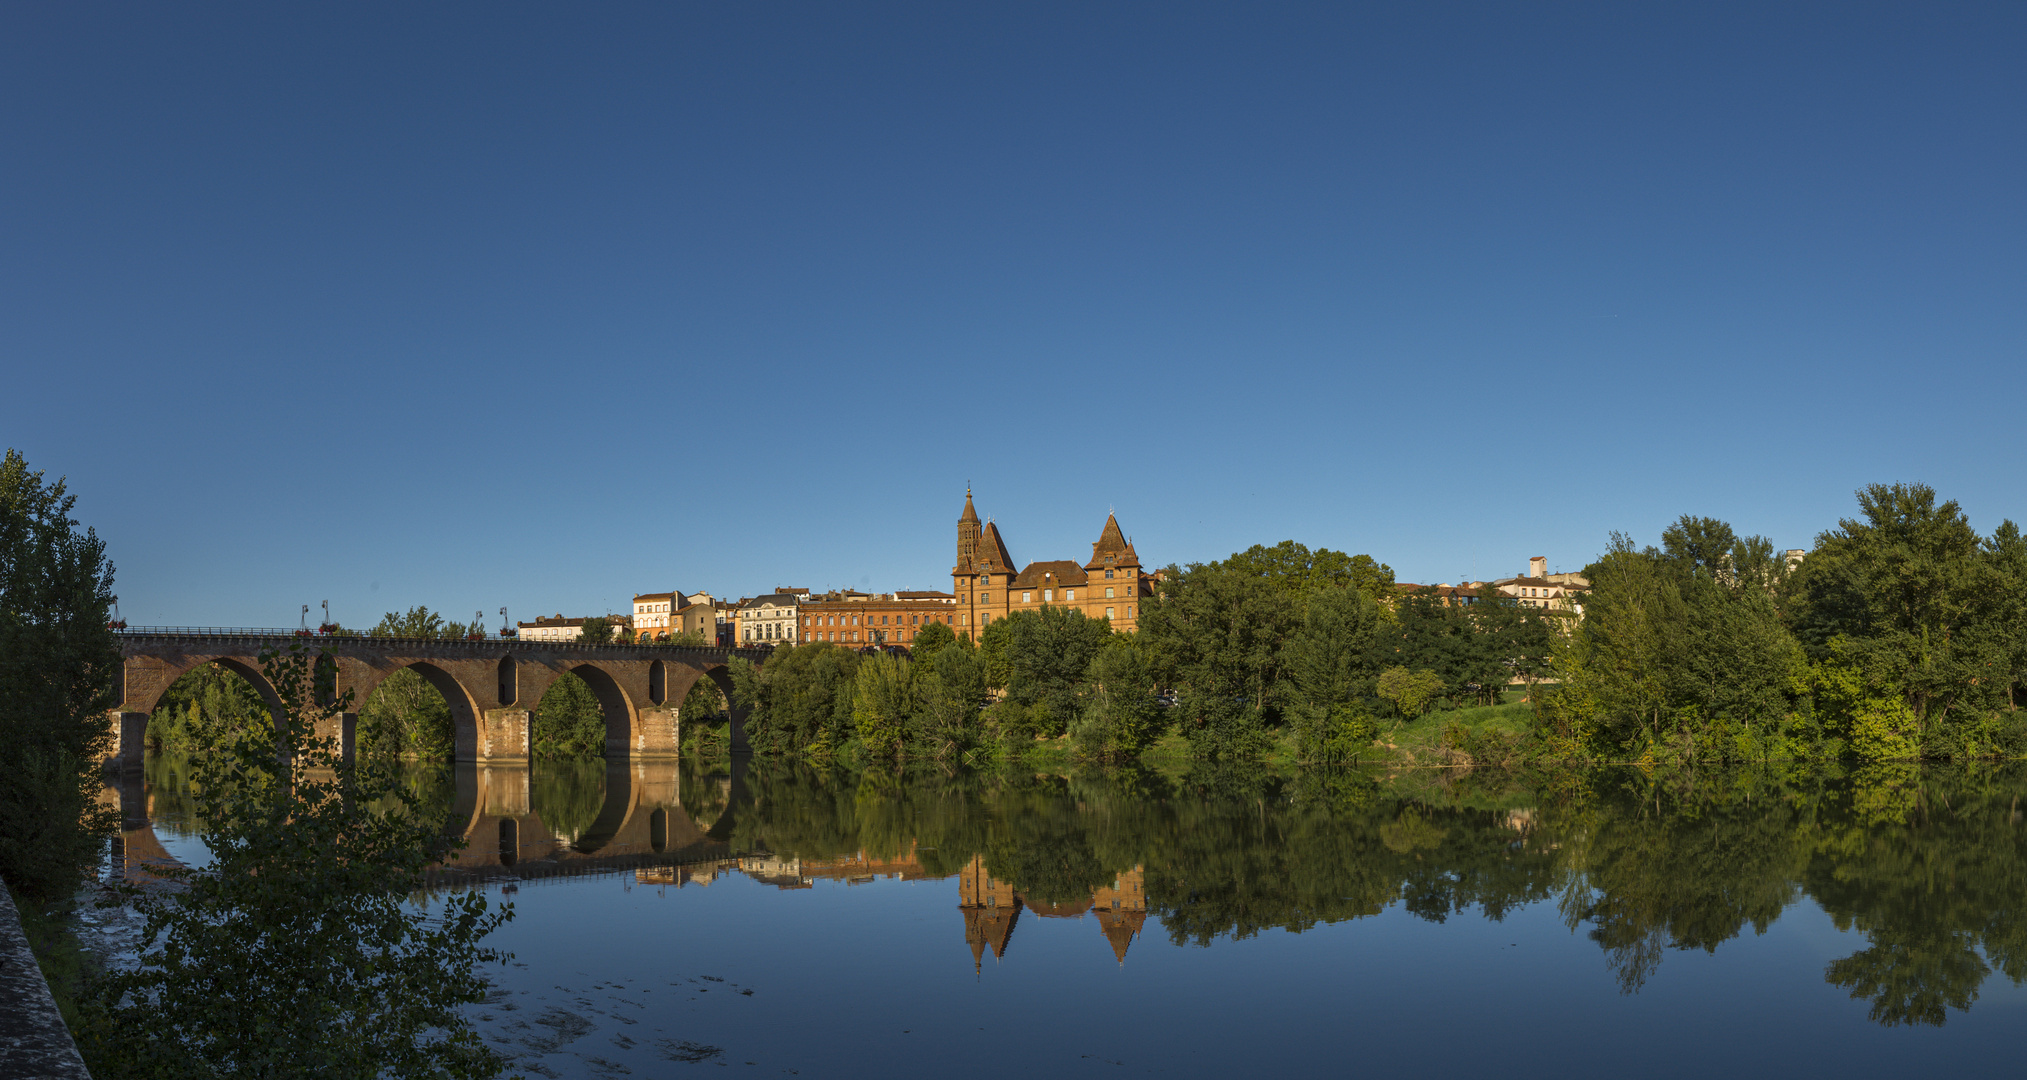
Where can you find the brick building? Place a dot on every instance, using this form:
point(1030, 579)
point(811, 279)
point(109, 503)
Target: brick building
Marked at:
point(1111, 585)
point(863, 619)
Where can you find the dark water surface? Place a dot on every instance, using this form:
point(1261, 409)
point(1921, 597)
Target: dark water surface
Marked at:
point(674, 920)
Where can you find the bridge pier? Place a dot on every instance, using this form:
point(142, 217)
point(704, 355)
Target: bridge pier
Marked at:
point(738, 729)
point(504, 735)
point(342, 729)
point(130, 741)
point(656, 734)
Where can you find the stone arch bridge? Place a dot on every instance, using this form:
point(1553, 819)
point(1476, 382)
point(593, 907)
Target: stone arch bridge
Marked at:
point(492, 686)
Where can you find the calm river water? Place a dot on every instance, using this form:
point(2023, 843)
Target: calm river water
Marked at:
point(672, 920)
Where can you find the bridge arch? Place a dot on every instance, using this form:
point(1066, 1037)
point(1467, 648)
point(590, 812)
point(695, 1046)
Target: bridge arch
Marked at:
point(686, 677)
point(245, 667)
point(464, 709)
point(490, 687)
point(621, 717)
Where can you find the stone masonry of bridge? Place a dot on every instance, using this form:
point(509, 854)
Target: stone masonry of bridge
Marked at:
point(491, 686)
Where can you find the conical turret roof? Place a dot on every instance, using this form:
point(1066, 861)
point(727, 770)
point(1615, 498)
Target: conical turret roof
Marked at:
point(970, 516)
point(993, 551)
point(1112, 542)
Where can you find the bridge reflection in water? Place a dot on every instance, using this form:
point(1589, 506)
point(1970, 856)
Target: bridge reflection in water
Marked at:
point(640, 820)
point(665, 822)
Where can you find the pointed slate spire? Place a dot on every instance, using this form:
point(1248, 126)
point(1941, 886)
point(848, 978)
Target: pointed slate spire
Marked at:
point(1112, 539)
point(970, 514)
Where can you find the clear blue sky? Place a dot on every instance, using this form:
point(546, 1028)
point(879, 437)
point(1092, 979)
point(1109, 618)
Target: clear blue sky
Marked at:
point(544, 305)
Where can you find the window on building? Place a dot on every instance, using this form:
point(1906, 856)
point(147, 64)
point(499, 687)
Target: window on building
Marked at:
point(1108, 592)
point(985, 598)
point(1048, 595)
point(1129, 611)
point(1108, 613)
point(1108, 573)
point(1027, 598)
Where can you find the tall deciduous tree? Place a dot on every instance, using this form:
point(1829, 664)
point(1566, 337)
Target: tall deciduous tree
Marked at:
point(1042, 660)
point(1216, 633)
point(1122, 712)
point(1297, 572)
point(1332, 659)
point(58, 660)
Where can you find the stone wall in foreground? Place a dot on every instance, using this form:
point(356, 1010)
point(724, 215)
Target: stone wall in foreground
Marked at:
point(33, 1040)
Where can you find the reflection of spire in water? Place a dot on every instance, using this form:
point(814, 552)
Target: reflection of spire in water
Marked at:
point(1122, 911)
point(992, 907)
point(990, 910)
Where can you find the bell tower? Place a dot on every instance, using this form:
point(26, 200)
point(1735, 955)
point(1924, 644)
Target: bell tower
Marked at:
point(967, 534)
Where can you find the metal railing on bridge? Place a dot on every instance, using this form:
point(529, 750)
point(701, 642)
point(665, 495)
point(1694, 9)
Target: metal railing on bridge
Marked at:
point(298, 633)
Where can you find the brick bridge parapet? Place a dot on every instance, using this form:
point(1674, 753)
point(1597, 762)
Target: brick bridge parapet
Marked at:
point(492, 686)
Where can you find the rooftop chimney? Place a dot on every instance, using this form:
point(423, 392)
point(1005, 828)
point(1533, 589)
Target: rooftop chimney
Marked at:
point(1537, 566)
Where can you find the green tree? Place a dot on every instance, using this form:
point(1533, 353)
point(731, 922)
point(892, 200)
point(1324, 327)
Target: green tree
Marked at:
point(884, 703)
point(800, 701)
point(406, 717)
point(929, 641)
point(1332, 659)
point(1298, 573)
point(951, 679)
point(309, 912)
point(597, 631)
point(1411, 692)
point(1123, 712)
point(416, 622)
point(1042, 659)
point(58, 660)
point(210, 691)
point(569, 722)
point(1216, 636)
point(1685, 647)
point(1910, 595)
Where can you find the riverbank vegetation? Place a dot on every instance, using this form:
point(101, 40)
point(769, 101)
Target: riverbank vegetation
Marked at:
point(58, 659)
point(307, 911)
point(1901, 635)
point(1283, 652)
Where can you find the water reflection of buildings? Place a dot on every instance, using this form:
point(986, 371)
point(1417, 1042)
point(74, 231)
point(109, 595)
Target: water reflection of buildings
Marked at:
point(789, 873)
point(991, 907)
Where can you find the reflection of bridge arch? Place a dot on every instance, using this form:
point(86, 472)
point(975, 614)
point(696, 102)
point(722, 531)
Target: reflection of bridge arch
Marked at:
point(137, 852)
point(641, 821)
point(489, 685)
point(641, 817)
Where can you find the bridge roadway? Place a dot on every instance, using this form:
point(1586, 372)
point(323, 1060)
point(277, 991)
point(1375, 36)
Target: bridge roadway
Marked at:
point(492, 686)
point(641, 822)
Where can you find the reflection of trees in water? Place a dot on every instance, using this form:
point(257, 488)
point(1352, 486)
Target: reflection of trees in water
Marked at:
point(1928, 864)
point(170, 806)
point(567, 794)
point(1657, 866)
point(1937, 891)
